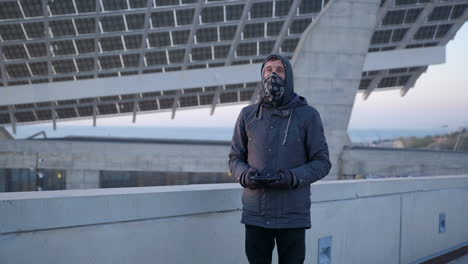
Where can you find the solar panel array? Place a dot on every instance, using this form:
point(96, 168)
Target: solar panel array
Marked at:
point(70, 40)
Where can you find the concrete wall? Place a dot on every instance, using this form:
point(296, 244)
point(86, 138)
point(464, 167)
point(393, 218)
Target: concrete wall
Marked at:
point(390, 162)
point(370, 221)
point(328, 63)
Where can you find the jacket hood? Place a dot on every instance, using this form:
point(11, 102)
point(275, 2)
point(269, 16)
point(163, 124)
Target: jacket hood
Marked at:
point(289, 93)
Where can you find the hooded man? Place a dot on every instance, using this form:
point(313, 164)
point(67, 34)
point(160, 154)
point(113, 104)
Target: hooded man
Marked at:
point(278, 149)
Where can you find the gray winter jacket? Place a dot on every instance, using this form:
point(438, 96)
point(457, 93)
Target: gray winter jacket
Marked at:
point(291, 137)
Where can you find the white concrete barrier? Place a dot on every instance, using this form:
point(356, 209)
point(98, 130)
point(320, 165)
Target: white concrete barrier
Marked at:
point(370, 221)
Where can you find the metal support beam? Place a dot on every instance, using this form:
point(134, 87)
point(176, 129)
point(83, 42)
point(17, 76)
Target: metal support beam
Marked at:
point(237, 35)
point(45, 13)
point(3, 68)
point(411, 82)
point(54, 118)
point(146, 26)
point(96, 35)
point(383, 11)
point(95, 112)
point(188, 50)
point(12, 119)
point(373, 84)
point(135, 110)
point(285, 27)
point(416, 25)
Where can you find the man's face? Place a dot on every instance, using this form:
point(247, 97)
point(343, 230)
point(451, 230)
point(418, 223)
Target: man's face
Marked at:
point(274, 66)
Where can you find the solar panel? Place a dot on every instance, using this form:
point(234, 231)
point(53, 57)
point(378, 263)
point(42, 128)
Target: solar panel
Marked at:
point(364, 84)
point(188, 101)
point(162, 19)
point(228, 97)
point(32, 8)
point(156, 58)
point(131, 60)
point(63, 113)
point(254, 30)
point(24, 116)
point(402, 80)
point(85, 25)
point(399, 34)
point(394, 17)
point(85, 45)
point(86, 6)
point(10, 10)
point(207, 34)
point(245, 95)
point(17, 70)
point(266, 47)
point(35, 81)
point(227, 32)
point(34, 29)
point(159, 39)
point(112, 23)
point(440, 13)
point(425, 32)
point(38, 68)
point(261, 10)
point(381, 36)
point(458, 11)
point(442, 30)
point(11, 32)
point(5, 119)
point(107, 109)
point(212, 14)
point(201, 54)
point(221, 52)
point(110, 62)
point(133, 41)
point(63, 47)
point(135, 21)
point(111, 43)
point(387, 82)
point(165, 103)
point(206, 99)
point(274, 28)
point(126, 107)
point(114, 4)
point(166, 2)
point(185, 16)
point(176, 56)
point(14, 52)
point(61, 7)
point(247, 49)
point(85, 64)
point(180, 37)
point(147, 105)
point(234, 12)
point(412, 15)
point(44, 114)
point(85, 110)
point(37, 49)
point(64, 66)
point(138, 3)
point(62, 28)
point(310, 6)
point(282, 7)
point(108, 75)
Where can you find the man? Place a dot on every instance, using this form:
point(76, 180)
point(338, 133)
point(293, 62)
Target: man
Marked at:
point(278, 149)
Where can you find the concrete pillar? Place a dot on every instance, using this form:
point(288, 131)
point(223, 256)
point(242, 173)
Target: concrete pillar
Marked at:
point(82, 179)
point(328, 63)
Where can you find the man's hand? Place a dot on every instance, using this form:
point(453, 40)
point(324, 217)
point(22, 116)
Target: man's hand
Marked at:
point(287, 180)
point(245, 180)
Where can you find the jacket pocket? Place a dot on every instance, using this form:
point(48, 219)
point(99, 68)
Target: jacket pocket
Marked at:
point(297, 201)
point(251, 201)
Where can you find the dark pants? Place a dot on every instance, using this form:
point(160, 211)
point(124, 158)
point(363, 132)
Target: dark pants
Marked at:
point(259, 244)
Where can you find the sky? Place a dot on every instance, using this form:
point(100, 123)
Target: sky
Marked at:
point(439, 98)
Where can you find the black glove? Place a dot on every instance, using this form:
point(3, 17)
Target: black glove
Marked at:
point(287, 180)
point(245, 180)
